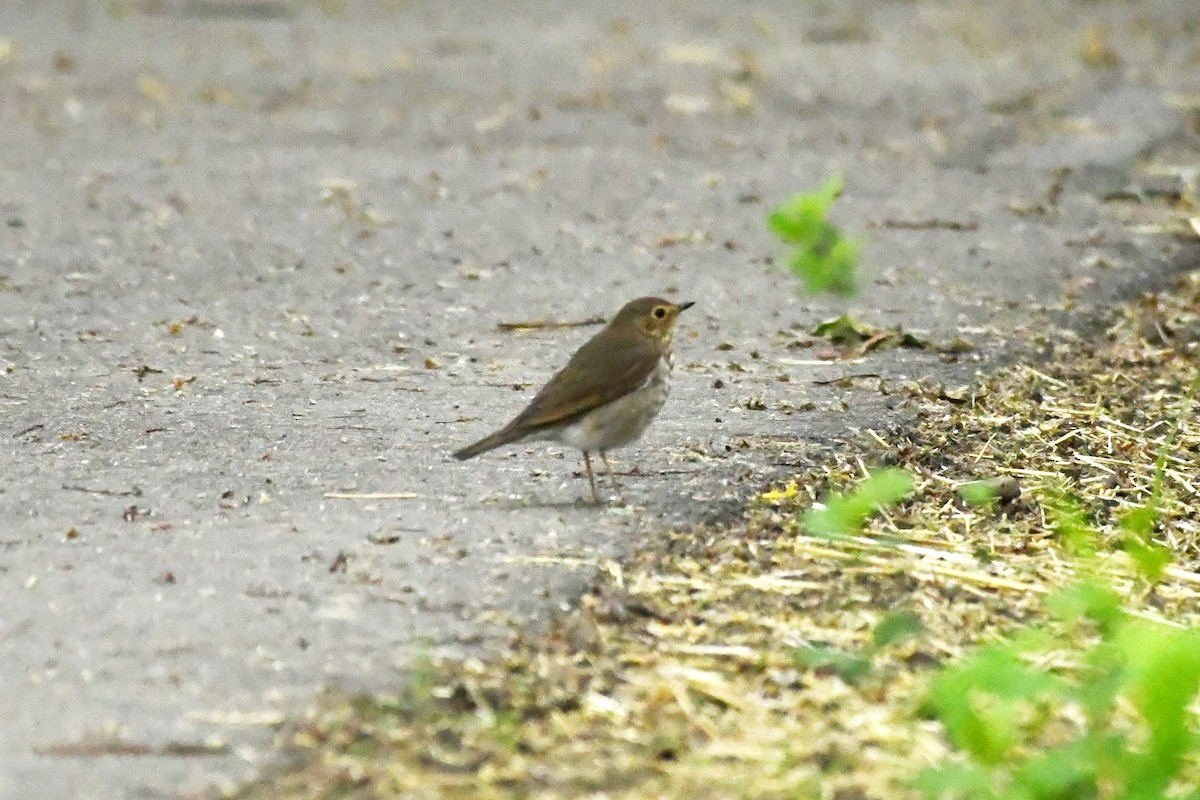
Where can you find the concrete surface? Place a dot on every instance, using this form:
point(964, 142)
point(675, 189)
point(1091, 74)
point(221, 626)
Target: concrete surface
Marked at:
point(256, 252)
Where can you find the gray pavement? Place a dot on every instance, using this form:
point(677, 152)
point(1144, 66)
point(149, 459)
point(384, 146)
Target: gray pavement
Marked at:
point(254, 253)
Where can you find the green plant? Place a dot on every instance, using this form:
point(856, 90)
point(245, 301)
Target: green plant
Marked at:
point(844, 514)
point(1114, 722)
point(822, 257)
point(1114, 718)
point(852, 667)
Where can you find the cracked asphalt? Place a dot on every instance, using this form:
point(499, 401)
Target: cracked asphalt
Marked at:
point(256, 256)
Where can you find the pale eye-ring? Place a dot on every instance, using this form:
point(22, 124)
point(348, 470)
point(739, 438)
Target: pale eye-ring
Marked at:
point(660, 312)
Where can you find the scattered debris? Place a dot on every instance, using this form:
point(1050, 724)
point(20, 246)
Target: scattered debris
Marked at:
point(862, 337)
point(142, 371)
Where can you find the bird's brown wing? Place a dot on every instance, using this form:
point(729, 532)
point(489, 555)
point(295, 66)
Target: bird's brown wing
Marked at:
point(575, 389)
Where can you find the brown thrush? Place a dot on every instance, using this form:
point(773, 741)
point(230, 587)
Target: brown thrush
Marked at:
point(607, 394)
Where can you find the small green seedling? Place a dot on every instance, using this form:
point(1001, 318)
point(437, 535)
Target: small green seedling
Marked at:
point(845, 514)
point(822, 257)
point(977, 494)
point(853, 667)
point(1151, 558)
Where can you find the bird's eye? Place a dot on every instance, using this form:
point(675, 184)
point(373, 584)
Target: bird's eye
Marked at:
point(660, 312)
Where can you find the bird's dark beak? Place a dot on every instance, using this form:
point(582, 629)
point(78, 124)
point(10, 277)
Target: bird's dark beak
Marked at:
point(686, 306)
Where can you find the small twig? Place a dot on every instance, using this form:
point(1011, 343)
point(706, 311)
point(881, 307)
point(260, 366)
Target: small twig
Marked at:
point(134, 492)
point(544, 324)
point(819, 362)
point(851, 377)
point(984, 449)
point(558, 561)
point(370, 496)
point(927, 224)
point(877, 438)
point(122, 747)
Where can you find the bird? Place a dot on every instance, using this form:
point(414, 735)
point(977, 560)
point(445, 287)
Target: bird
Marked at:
point(608, 393)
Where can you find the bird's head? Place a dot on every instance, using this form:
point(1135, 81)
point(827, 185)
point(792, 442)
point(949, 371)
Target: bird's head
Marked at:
point(653, 316)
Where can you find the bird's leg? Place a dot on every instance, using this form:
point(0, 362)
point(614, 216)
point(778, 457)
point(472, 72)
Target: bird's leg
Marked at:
point(587, 466)
point(608, 468)
point(612, 477)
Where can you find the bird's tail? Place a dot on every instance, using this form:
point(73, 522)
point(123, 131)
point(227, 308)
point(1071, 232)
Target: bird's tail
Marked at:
point(500, 437)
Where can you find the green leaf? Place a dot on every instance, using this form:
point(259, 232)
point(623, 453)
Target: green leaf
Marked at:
point(1139, 521)
point(1001, 709)
point(1162, 668)
point(828, 264)
point(1151, 558)
point(1060, 773)
point(844, 330)
point(801, 217)
point(895, 627)
point(981, 701)
point(823, 259)
point(1099, 683)
point(1070, 524)
point(844, 514)
point(977, 493)
point(849, 667)
point(1087, 600)
point(953, 781)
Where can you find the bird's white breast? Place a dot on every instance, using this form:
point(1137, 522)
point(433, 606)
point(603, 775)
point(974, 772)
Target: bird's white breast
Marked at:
point(623, 420)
